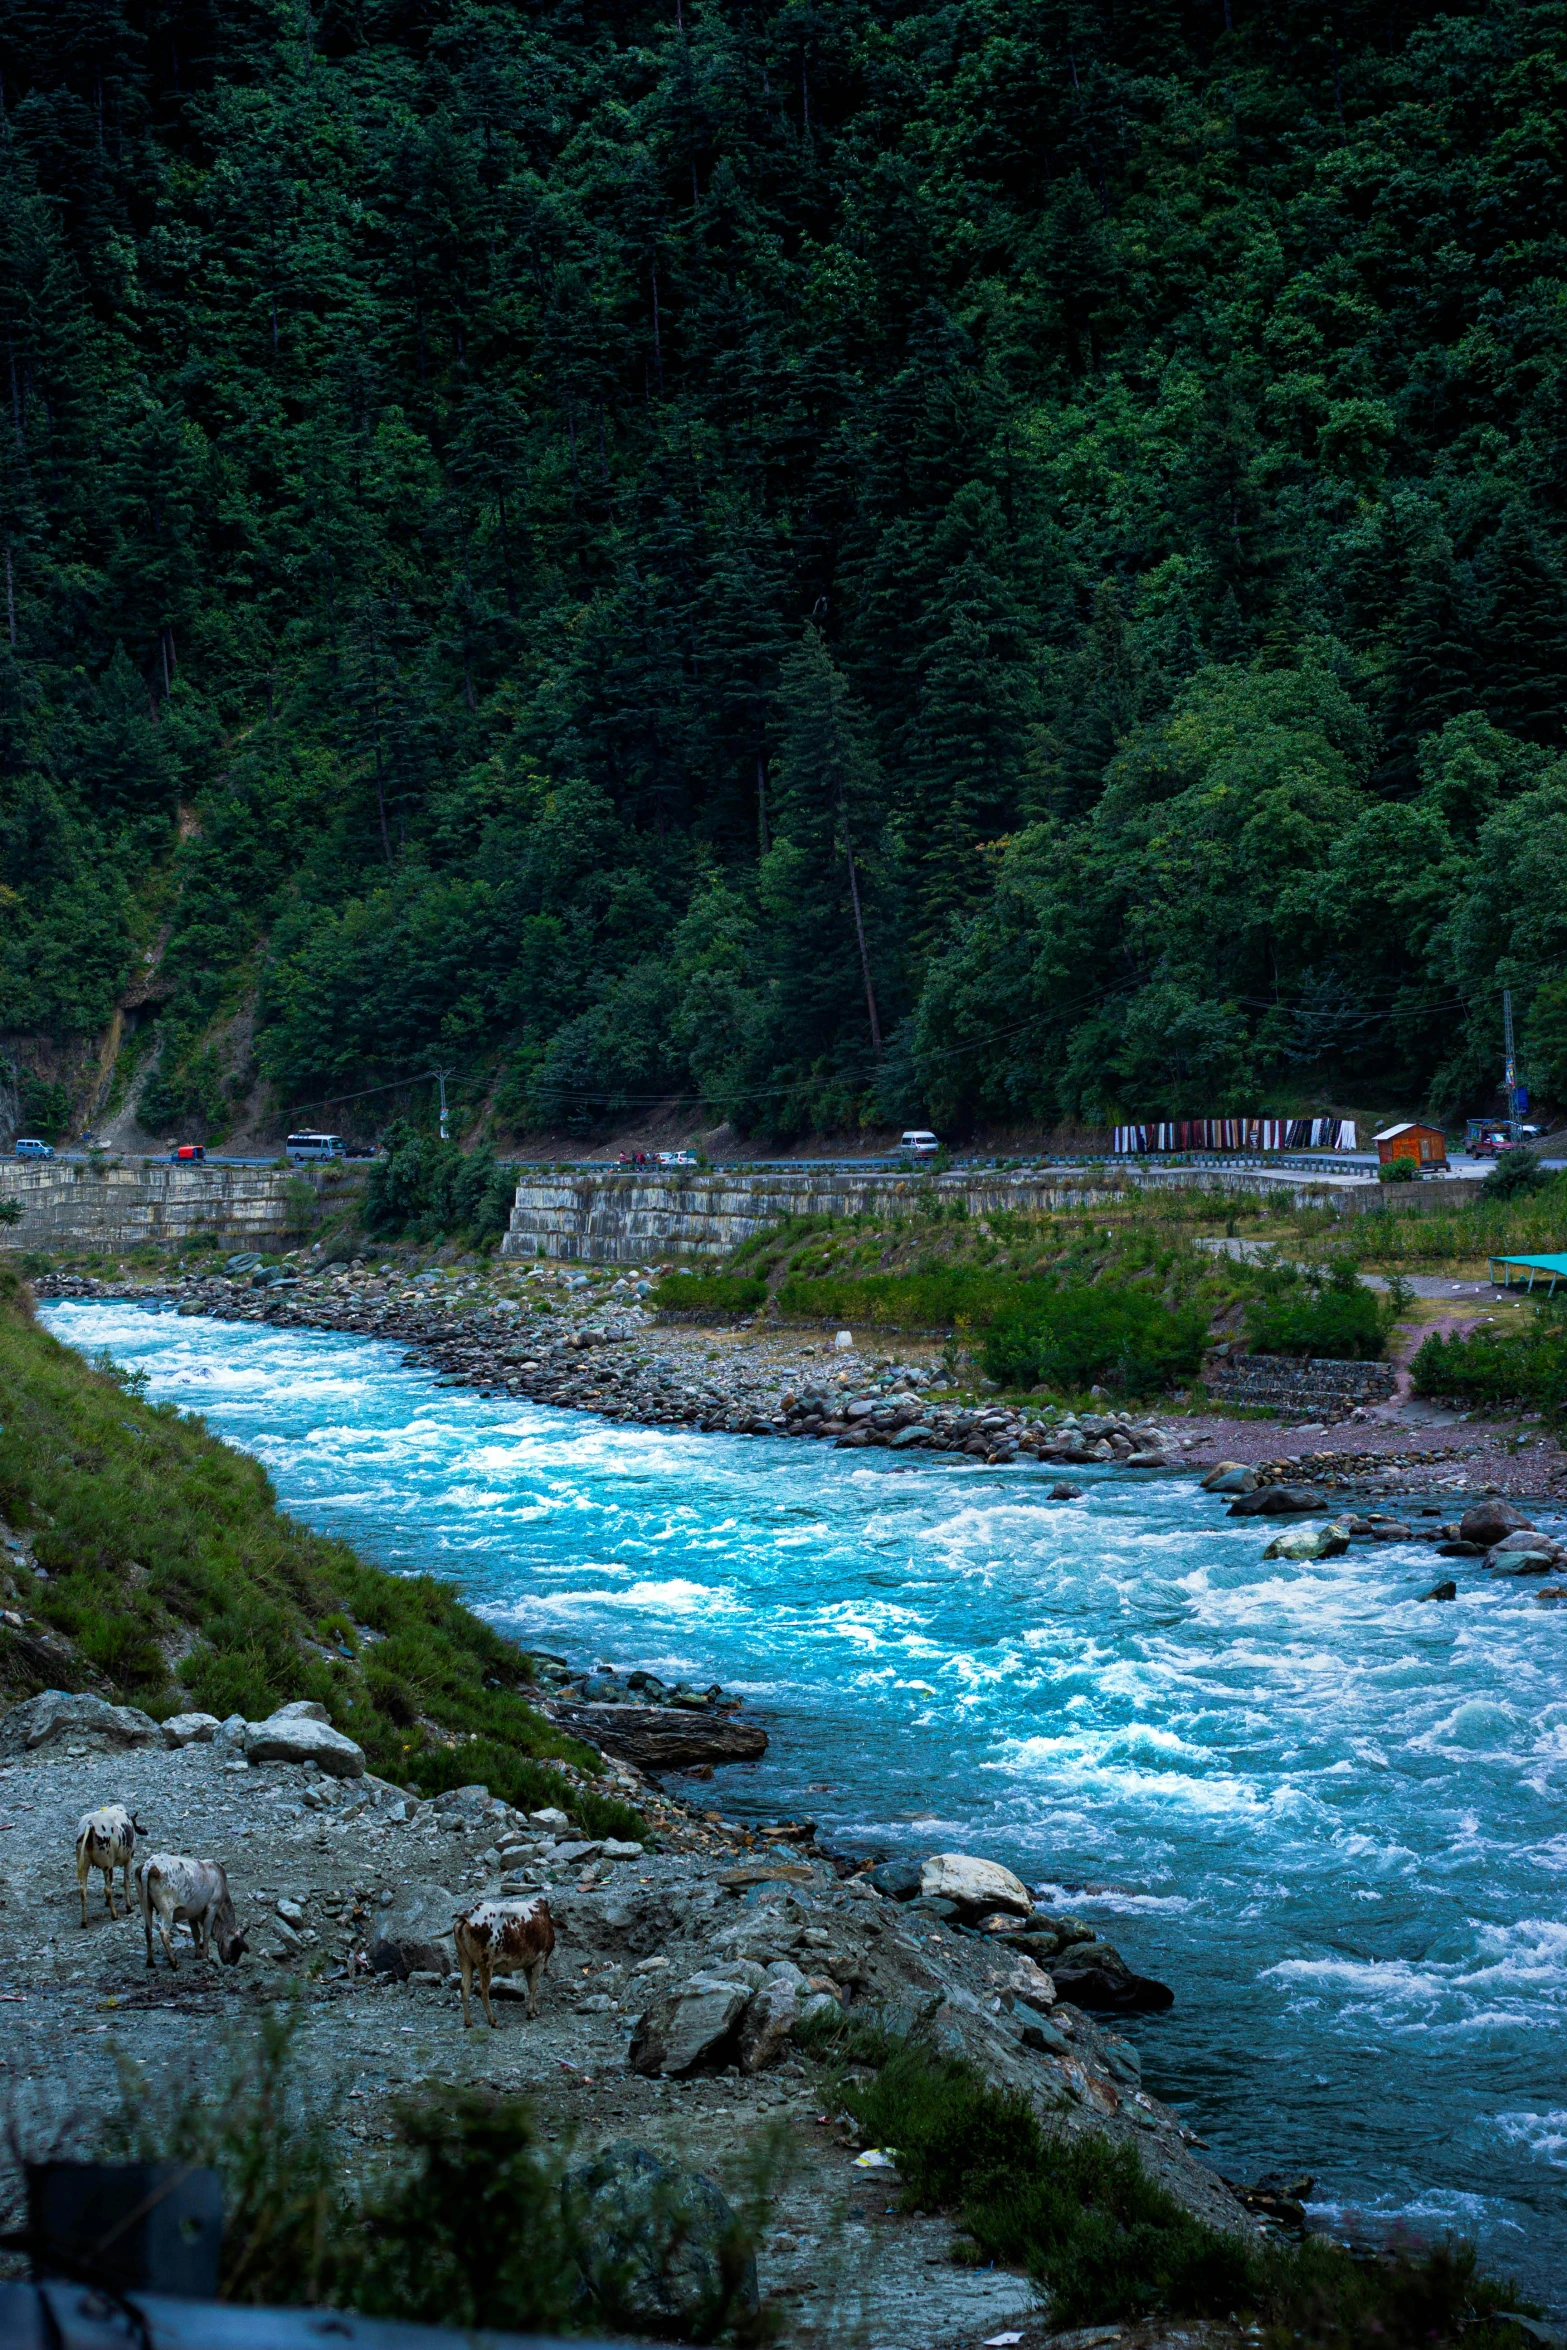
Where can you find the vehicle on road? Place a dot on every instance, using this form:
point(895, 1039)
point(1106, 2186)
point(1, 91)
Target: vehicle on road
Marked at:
point(919, 1143)
point(29, 1147)
point(677, 1158)
point(311, 1149)
point(188, 1154)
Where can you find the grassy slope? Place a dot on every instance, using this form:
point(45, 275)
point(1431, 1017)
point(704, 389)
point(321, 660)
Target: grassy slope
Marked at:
point(179, 1582)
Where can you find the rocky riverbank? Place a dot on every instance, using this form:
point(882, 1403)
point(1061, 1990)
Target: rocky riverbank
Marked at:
point(676, 2014)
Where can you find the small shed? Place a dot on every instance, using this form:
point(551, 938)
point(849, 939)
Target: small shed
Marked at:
point(1510, 1272)
point(1426, 1145)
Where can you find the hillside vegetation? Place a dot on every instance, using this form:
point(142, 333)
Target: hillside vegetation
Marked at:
point(839, 562)
point(177, 1582)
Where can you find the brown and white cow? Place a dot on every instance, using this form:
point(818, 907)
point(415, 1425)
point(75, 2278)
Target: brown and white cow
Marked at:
point(503, 1938)
point(174, 1887)
point(106, 1839)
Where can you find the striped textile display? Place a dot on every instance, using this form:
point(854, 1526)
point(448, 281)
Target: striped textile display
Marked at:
point(1236, 1134)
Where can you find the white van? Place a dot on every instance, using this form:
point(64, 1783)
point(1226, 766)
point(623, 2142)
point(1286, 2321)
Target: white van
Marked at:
point(919, 1143)
point(308, 1149)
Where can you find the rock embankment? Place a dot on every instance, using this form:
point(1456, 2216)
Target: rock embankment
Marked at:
point(566, 1340)
point(678, 2013)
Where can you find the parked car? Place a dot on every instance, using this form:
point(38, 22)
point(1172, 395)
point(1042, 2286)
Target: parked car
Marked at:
point(311, 1149)
point(29, 1147)
point(919, 1143)
point(677, 1158)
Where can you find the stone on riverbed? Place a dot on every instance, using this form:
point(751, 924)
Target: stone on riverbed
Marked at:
point(1279, 1501)
point(1309, 1542)
point(1095, 1976)
point(1489, 1522)
point(977, 1886)
point(658, 1738)
point(1230, 1477)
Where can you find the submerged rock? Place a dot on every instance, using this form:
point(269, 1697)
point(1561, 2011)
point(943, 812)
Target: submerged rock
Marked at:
point(1309, 1542)
point(1094, 1975)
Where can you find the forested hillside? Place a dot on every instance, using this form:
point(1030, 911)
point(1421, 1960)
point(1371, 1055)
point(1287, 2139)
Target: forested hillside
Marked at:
point(843, 559)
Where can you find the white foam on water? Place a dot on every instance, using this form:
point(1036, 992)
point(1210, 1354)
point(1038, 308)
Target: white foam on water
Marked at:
point(1542, 2135)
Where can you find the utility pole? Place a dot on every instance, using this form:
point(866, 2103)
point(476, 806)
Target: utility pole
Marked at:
point(441, 1079)
point(1510, 1073)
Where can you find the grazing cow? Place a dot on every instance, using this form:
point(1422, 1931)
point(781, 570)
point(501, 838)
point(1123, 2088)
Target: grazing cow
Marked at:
point(173, 1887)
point(503, 1938)
point(105, 1839)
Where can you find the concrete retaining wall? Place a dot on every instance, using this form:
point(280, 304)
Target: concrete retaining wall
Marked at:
point(68, 1203)
point(637, 1219)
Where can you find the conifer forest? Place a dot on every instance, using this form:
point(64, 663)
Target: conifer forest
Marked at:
point(840, 561)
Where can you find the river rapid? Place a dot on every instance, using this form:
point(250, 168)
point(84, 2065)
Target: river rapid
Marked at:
point(1333, 1821)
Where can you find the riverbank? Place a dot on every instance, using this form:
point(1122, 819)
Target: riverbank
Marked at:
point(588, 1343)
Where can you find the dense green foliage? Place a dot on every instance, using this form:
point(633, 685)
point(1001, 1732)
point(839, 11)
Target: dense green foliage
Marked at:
point(425, 1189)
point(1515, 1174)
point(943, 1298)
point(709, 1293)
point(846, 561)
point(1123, 1338)
point(1320, 1310)
point(155, 1534)
point(1522, 1364)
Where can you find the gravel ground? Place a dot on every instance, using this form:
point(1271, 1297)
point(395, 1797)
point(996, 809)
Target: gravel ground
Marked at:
point(838, 2260)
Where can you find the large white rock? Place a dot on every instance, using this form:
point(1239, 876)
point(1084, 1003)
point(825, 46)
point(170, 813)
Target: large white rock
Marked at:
point(299, 1738)
point(976, 1885)
point(301, 1709)
point(58, 1714)
point(190, 1729)
point(690, 2024)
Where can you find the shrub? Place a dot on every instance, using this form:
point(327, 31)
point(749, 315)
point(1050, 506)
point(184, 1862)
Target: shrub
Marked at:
point(1397, 1171)
point(1127, 1339)
point(1314, 1311)
point(426, 1189)
point(1526, 1365)
point(709, 1293)
point(1515, 1173)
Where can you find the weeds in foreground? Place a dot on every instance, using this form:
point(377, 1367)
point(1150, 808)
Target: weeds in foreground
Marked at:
point(1105, 2241)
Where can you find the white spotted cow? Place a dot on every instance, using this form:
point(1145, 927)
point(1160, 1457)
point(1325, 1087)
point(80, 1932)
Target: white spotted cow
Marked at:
point(106, 1839)
point(174, 1887)
point(503, 1938)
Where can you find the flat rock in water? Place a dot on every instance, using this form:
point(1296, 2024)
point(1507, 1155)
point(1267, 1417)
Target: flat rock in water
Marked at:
point(1096, 1977)
point(55, 1715)
point(1230, 1477)
point(1279, 1501)
point(692, 2023)
point(664, 1738)
point(300, 1738)
point(977, 1885)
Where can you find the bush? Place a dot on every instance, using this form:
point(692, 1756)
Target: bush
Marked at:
point(1126, 1339)
point(907, 1301)
point(1515, 1173)
point(1397, 1171)
point(1523, 1366)
point(709, 1293)
point(1326, 1313)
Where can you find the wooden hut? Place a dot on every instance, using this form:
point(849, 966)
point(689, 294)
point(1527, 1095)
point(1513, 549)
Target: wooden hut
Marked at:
point(1426, 1145)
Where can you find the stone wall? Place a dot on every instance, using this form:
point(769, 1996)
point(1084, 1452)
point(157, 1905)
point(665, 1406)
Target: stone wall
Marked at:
point(69, 1203)
point(610, 1218)
point(1286, 1384)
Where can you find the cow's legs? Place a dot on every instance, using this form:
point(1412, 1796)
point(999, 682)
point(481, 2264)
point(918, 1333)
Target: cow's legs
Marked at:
point(484, 1989)
point(82, 1873)
point(127, 1884)
point(532, 1974)
point(467, 1986)
point(108, 1892)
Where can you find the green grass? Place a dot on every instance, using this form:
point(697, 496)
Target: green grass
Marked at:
point(159, 1541)
point(1106, 2242)
point(715, 1294)
point(1327, 1313)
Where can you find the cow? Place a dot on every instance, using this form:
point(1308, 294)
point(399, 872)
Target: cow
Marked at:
point(174, 1887)
point(106, 1839)
point(503, 1938)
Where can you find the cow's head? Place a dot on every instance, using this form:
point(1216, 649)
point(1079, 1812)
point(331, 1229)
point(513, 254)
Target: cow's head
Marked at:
point(226, 1934)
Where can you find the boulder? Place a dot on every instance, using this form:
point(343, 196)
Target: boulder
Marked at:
point(692, 2024)
point(1309, 1542)
point(660, 2249)
point(1095, 1976)
point(1230, 1477)
point(977, 1886)
point(1441, 1591)
point(900, 1880)
point(414, 1936)
point(300, 1738)
point(1525, 1543)
point(56, 1715)
point(1279, 1501)
point(768, 2022)
point(190, 1729)
point(1065, 1492)
point(1488, 1522)
point(301, 1709)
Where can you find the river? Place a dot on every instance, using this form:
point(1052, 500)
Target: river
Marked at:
point(1332, 1820)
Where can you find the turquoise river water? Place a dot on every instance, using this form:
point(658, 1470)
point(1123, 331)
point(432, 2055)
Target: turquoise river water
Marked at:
point(1333, 1821)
